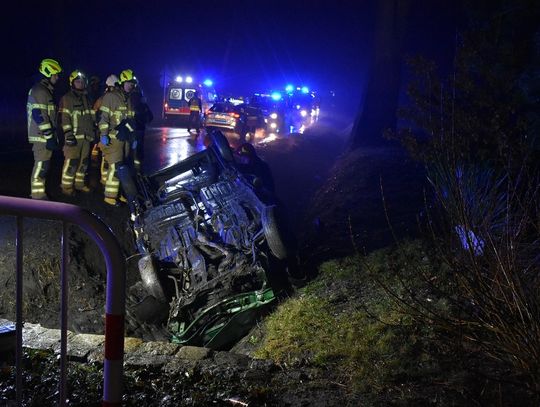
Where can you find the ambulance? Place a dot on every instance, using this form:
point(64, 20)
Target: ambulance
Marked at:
point(178, 92)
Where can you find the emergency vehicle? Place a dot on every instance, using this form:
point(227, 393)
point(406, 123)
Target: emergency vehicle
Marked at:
point(178, 92)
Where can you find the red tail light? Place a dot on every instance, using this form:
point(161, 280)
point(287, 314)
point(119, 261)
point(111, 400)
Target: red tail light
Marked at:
point(166, 105)
point(235, 115)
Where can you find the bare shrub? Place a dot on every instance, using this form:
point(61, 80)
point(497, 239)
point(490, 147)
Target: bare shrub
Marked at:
point(491, 247)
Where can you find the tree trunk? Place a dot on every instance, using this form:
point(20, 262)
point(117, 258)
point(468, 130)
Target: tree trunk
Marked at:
point(378, 111)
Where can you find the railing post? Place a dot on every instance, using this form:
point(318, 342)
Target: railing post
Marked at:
point(19, 308)
point(63, 313)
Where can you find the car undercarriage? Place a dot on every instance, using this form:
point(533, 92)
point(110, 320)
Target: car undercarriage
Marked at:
point(211, 249)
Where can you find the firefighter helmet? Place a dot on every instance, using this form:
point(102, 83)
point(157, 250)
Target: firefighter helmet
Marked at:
point(112, 80)
point(76, 75)
point(127, 75)
point(49, 67)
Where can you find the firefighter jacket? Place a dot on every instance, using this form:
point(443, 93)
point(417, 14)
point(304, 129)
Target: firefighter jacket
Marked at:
point(115, 107)
point(41, 112)
point(76, 115)
point(195, 104)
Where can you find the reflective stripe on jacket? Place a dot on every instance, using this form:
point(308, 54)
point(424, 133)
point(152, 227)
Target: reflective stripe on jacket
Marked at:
point(195, 104)
point(41, 112)
point(76, 115)
point(115, 107)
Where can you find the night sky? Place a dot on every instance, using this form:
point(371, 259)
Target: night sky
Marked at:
point(244, 46)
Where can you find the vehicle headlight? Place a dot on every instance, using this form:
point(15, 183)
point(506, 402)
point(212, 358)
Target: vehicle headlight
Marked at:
point(273, 125)
point(273, 116)
point(303, 113)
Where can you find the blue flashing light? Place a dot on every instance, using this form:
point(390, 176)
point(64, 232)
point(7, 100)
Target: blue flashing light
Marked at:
point(276, 96)
point(289, 88)
point(208, 82)
point(305, 89)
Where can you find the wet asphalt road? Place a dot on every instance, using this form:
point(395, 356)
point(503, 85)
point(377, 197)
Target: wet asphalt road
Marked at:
point(299, 162)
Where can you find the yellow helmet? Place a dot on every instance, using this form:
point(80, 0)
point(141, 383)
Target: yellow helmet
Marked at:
point(49, 67)
point(127, 75)
point(76, 75)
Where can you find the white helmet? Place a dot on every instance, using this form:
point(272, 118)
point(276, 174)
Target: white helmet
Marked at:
point(112, 80)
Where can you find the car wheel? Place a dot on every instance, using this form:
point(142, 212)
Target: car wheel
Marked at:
point(272, 234)
point(221, 145)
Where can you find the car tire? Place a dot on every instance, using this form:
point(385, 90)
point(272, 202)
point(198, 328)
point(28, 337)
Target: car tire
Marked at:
point(272, 234)
point(221, 145)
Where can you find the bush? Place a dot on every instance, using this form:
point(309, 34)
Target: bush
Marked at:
point(477, 134)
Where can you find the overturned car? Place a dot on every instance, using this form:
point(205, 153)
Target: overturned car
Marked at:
point(212, 254)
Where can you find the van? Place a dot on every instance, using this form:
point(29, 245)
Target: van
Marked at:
point(178, 93)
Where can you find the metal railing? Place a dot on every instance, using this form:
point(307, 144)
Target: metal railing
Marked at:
point(115, 293)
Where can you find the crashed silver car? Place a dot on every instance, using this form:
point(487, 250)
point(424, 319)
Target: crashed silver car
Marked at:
point(211, 249)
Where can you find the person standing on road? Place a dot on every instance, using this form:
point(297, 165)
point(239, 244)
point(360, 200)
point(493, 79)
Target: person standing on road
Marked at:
point(94, 91)
point(41, 116)
point(78, 120)
point(195, 109)
point(116, 126)
point(143, 116)
point(111, 83)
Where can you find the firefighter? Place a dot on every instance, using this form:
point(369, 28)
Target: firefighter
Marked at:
point(41, 115)
point(116, 126)
point(111, 83)
point(94, 85)
point(195, 109)
point(78, 120)
point(143, 116)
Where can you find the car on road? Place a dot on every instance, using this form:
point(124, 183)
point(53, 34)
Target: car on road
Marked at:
point(274, 110)
point(212, 251)
point(304, 107)
point(241, 119)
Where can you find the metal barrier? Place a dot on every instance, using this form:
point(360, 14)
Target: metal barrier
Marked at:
point(115, 297)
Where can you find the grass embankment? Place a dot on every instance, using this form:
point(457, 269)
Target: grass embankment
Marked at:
point(358, 320)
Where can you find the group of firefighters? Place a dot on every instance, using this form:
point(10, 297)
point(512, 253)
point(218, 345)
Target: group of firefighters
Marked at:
point(114, 123)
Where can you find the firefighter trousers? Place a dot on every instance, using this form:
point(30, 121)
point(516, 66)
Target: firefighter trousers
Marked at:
point(194, 120)
point(76, 160)
point(115, 154)
point(42, 161)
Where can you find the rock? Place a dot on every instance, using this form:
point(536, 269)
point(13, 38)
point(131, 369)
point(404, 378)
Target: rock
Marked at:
point(193, 353)
point(79, 346)
point(131, 344)
point(232, 359)
point(37, 337)
point(151, 353)
point(180, 365)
